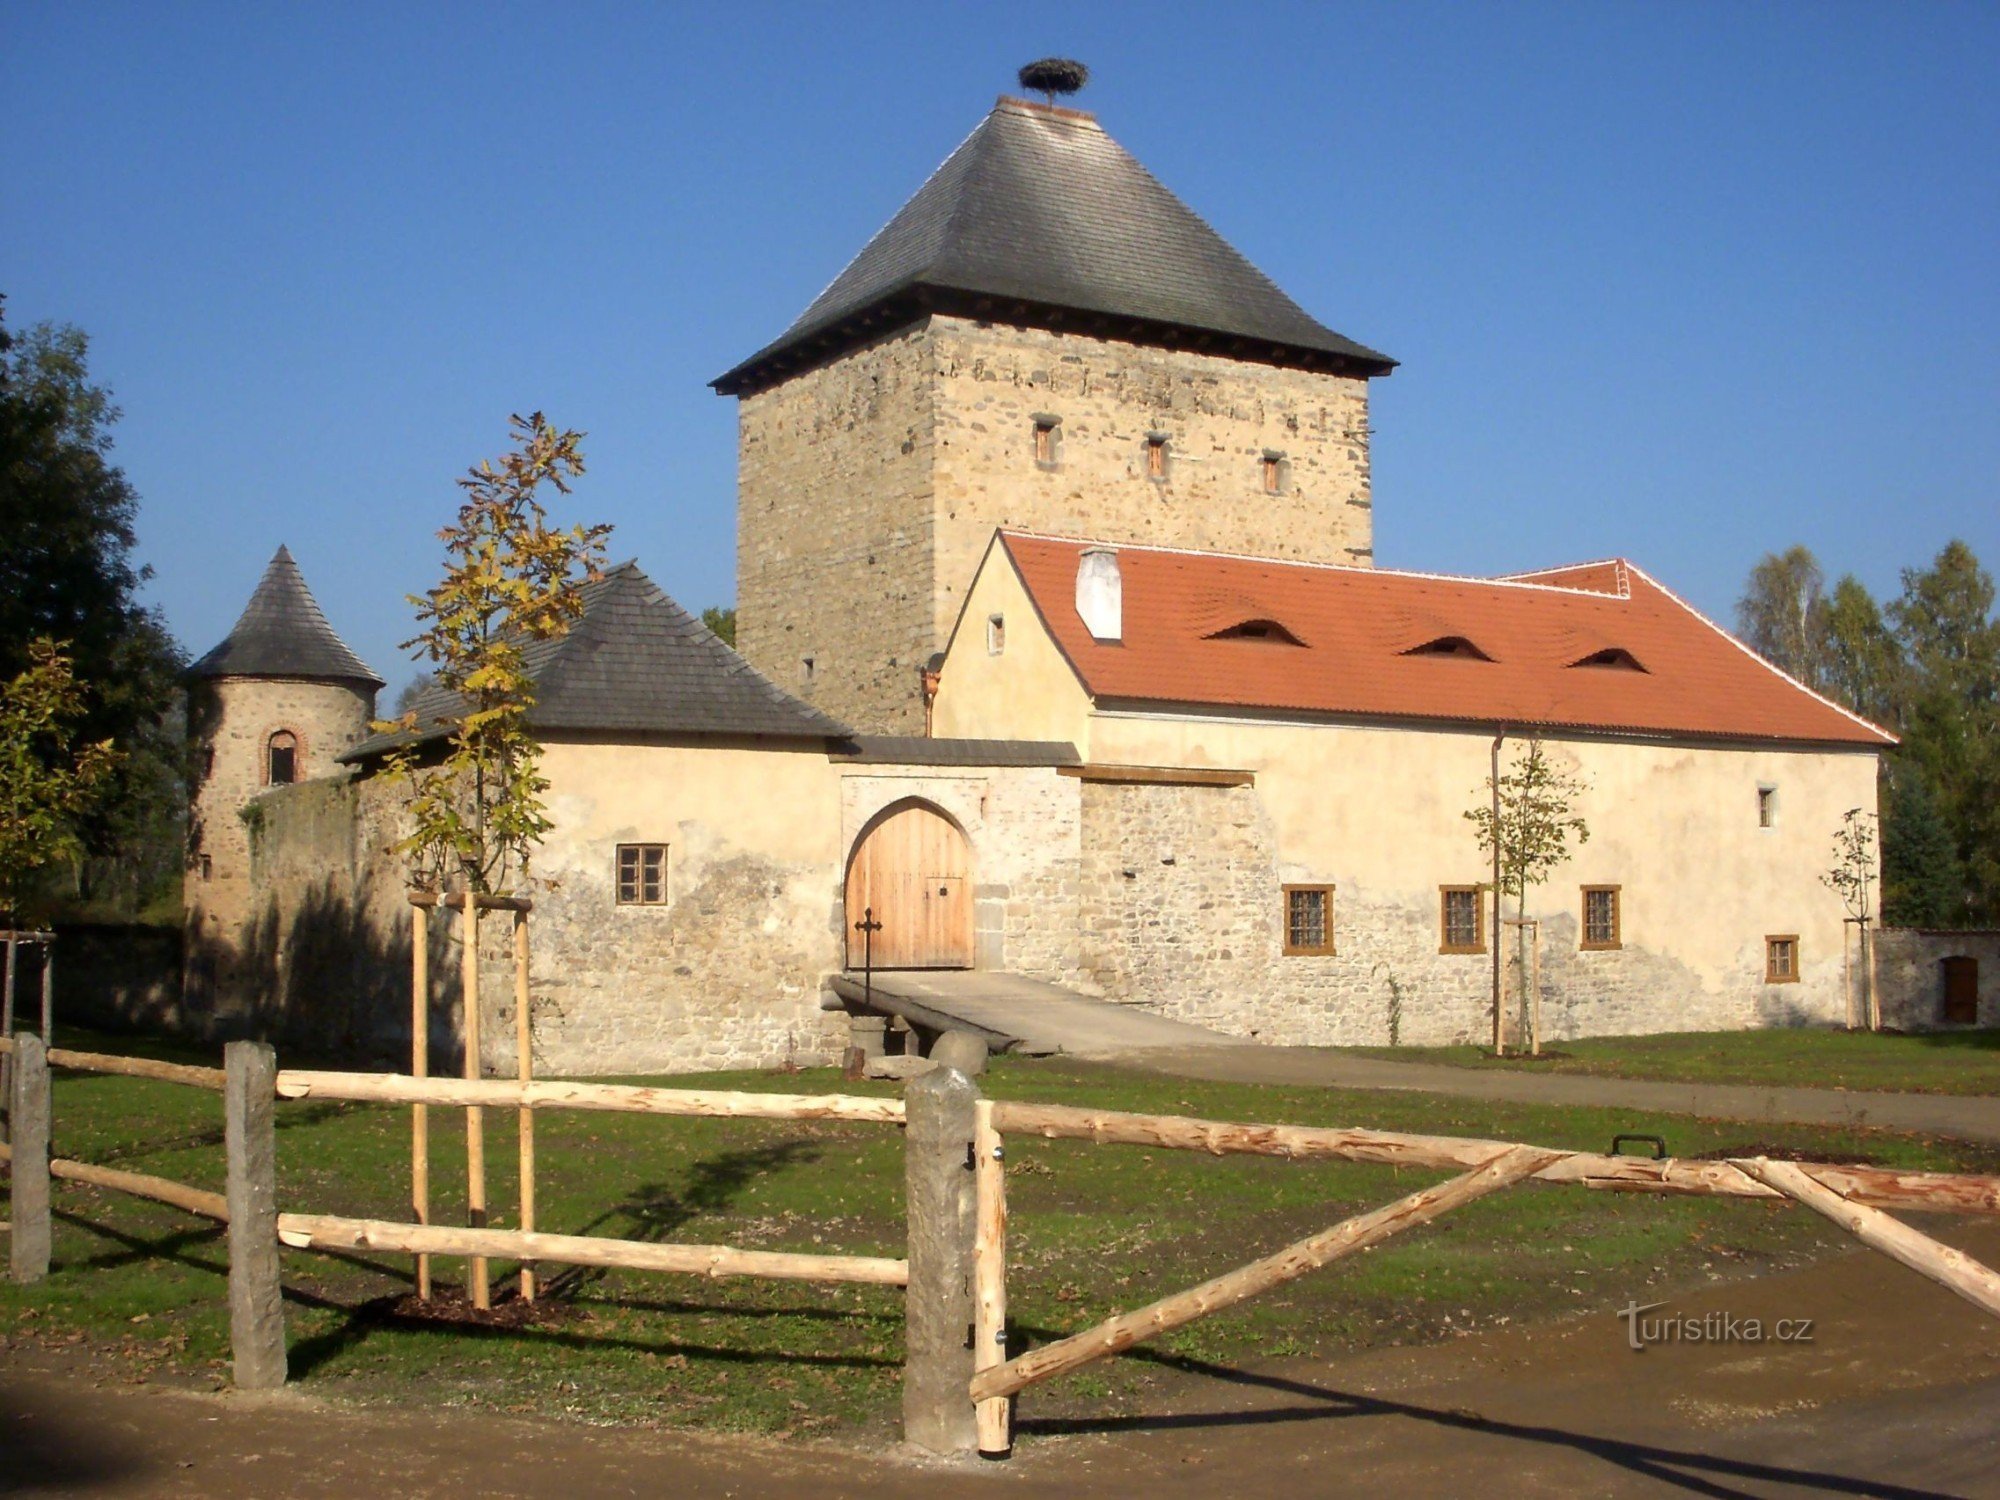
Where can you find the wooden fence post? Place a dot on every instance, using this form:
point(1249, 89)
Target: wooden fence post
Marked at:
point(28, 1109)
point(420, 1067)
point(939, 1307)
point(256, 1304)
point(478, 1283)
point(989, 1282)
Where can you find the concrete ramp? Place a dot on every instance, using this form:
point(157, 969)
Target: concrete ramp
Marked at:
point(1021, 1015)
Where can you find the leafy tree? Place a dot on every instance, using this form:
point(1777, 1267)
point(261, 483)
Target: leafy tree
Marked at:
point(1533, 820)
point(1951, 726)
point(722, 620)
point(49, 781)
point(1863, 664)
point(1782, 614)
point(411, 691)
point(510, 580)
point(67, 573)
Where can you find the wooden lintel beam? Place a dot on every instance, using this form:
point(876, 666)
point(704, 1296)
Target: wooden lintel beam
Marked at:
point(1159, 775)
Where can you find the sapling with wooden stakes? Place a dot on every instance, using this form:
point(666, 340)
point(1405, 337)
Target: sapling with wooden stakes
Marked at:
point(472, 763)
point(421, 903)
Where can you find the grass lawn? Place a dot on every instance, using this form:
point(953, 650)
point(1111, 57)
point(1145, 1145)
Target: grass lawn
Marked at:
point(1957, 1062)
point(1094, 1229)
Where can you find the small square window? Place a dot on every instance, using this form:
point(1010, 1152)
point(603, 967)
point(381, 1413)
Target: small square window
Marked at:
point(1156, 456)
point(1309, 919)
point(1048, 442)
point(996, 634)
point(1781, 959)
point(1602, 920)
point(642, 874)
point(1767, 807)
point(1461, 920)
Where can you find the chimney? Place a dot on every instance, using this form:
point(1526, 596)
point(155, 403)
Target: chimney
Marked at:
point(1100, 594)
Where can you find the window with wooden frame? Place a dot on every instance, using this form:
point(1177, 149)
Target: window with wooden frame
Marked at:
point(1156, 455)
point(1781, 959)
point(1309, 919)
point(1602, 921)
point(1461, 920)
point(1048, 441)
point(1273, 470)
point(281, 758)
point(642, 874)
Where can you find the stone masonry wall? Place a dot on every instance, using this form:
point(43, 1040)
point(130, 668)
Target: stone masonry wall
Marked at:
point(834, 541)
point(869, 487)
point(1220, 417)
point(230, 723)
point(1181, 910)
point(1909, 975)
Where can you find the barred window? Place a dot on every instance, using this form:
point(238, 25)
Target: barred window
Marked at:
point(642, 874)
point(1781, 960)
point(1309, 919)
point(1461, 920)
point(1601, 918)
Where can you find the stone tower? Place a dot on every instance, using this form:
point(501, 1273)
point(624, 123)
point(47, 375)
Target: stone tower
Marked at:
point(1044, 338)
point(275, 703)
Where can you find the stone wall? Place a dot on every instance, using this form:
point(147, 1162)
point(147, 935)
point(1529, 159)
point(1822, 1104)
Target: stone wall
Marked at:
point(230, 722)
point(117, 976)
point(869, 487)
point(1181, 910)
point(1219, 417)
point(1909, 975)
point(833, 532)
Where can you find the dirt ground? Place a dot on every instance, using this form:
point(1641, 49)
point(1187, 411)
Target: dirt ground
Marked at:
point(1897, 1393)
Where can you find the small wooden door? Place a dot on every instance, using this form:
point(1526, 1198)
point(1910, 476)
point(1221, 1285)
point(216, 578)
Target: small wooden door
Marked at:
point(1961, 990)
point(911, 870)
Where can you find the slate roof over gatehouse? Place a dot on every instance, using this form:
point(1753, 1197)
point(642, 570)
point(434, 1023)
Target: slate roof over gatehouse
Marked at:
point(1038, 211)
point(282, 633)
point(1599, 647)
point(636, 663)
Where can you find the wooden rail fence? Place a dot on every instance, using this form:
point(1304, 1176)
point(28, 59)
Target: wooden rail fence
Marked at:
point(958, 1391)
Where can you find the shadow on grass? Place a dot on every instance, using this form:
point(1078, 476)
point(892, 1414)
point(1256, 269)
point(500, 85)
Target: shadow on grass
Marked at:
point(1700, 1473)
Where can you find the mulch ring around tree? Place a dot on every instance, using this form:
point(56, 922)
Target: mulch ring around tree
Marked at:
point(449, 1306)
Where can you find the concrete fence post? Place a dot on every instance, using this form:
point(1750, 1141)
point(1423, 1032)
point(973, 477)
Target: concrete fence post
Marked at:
point(256, 1304)
point(939, 1308)
point(28, 1110)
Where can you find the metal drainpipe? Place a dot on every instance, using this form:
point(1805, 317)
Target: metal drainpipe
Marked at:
point(1499, 1026)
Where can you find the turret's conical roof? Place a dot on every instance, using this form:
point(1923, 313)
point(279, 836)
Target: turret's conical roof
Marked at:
point(283, 634)
point(1039, 210)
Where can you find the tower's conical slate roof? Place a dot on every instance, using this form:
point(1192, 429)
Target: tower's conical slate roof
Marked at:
point(283, 634)
point(1040, 210)
point(635, 663)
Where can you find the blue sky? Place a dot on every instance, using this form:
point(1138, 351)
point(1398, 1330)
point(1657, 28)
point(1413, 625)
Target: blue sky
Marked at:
point(1685, 282)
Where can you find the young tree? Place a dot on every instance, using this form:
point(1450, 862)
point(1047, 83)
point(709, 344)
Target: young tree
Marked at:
point(1782, 614)
point(67, 573)
point(510, 580)
point(1852, 878)
point(48, 780)
point(1530, 817)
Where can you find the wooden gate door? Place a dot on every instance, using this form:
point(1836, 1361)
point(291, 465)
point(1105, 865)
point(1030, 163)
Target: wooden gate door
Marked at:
point(912, 869)
point(1961, 990)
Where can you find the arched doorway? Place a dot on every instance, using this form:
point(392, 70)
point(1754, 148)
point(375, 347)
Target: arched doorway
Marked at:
point(911, 867)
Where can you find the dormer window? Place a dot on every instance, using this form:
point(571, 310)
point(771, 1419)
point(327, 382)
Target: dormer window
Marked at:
point(1156, 455)
point(1048, 440)
point(1615, 657)
point(1257, 630)
point(281, 758)
point(1453, 646)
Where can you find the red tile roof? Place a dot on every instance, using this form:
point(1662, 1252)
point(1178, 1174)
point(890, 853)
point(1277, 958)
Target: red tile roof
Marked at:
point(1359, 627)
